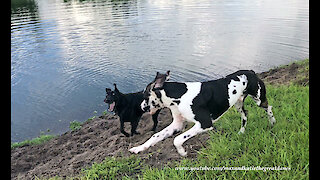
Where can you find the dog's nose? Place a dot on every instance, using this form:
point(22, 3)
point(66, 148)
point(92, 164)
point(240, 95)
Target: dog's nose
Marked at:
point(146, 109)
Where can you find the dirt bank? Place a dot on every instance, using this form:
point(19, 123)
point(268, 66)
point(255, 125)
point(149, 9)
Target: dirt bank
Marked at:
point(296, 73)
point(66, 154)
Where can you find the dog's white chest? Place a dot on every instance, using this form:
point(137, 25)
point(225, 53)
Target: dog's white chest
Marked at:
point(186, 100)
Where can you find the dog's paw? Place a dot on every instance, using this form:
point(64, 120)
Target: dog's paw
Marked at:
point(272, 121)
point(133, 133)
point(137, 149)
point(182, 152)
point(242, 129)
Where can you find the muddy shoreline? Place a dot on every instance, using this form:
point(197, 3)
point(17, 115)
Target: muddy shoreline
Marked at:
point(66, 154)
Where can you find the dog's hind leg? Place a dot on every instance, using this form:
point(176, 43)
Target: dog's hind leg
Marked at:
point(175, 126)
point(240, 108)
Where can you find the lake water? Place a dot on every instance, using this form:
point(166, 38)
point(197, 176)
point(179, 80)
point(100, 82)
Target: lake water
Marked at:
point(65, 53)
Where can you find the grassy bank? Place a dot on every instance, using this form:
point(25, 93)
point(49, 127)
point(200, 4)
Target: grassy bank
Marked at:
point(286, 145)
point(38, 140)
point(74, 126)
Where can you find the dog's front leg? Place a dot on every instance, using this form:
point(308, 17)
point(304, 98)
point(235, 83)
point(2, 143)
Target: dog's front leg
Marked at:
point(155, 119)
point(179, 140)
point(175, 126)
point(122, 129)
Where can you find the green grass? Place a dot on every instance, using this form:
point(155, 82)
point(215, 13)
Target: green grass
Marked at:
point(114, 168)
point(285, 145)
point(110, 168)
point(75, 125)
point(39, 140)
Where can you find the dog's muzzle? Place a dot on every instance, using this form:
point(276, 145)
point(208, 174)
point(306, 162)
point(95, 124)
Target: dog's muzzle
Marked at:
point(107, 101)
point(146, 108)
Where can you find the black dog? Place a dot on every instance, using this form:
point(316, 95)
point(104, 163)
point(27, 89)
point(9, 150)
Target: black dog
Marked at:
point(127, 107)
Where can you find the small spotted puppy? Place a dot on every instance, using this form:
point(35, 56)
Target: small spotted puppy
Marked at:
point(202, 103)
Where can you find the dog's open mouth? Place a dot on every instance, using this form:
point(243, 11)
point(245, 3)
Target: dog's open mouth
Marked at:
point(152, 111)
point(111, 107)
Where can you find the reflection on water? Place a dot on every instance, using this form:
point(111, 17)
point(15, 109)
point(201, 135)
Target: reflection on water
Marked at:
point(65, 53)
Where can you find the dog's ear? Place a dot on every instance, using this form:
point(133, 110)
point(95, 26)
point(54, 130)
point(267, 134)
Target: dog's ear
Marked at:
point(168, 75)
point(160, 79)
point(115, 88)
point(108, 90)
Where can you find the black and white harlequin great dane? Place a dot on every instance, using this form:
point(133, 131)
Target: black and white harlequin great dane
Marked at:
point(201, 103)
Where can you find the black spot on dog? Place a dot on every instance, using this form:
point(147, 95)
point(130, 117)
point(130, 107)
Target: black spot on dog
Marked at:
point(171, 104)
point(234, 92)
point(175, 131)
point(244, 122)
point(176, 101)
point(243, 83)
point(174, 89)
point(158, 136)
point(147, 108)
point(158, 94)
point(245, 111)
point(186, 136)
